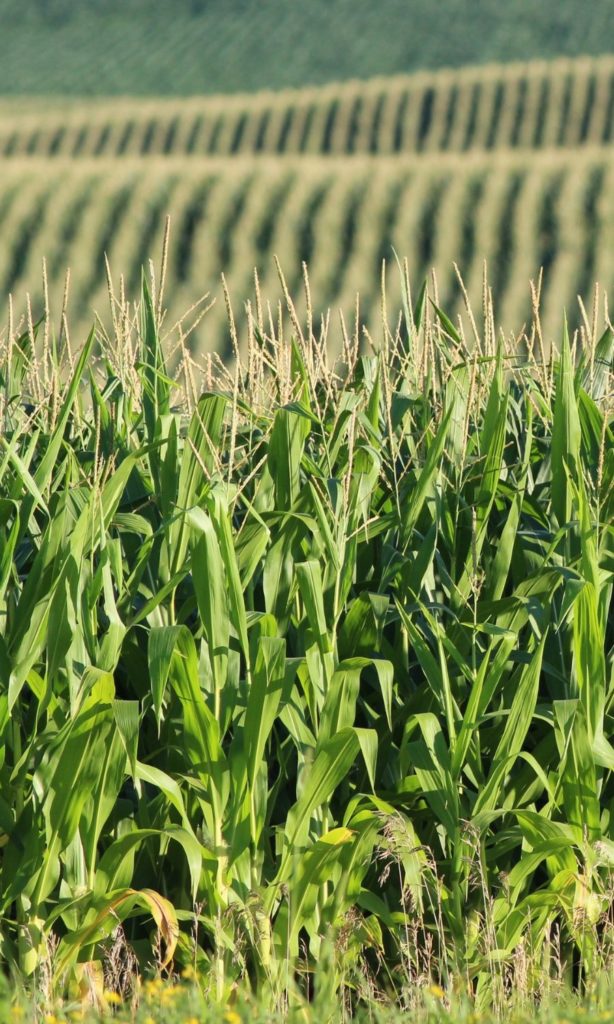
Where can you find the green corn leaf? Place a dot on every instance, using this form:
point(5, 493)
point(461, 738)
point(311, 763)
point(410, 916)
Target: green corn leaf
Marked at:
point(313, 869)
point(413, 501)
point(209, 579)
point(160, 650)
point(514, 734)
point(332, 763)
point(286, 446)
point(430, 760)
point(565, 436)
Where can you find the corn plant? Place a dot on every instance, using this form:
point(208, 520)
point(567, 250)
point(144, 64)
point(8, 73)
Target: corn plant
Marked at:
point(307, 661)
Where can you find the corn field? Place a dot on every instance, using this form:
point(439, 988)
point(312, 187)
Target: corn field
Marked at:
point(342, 218)
point(309, 659)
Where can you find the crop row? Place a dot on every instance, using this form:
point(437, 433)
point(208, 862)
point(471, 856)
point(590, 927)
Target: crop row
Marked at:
point(341, 219)
point(526, 106)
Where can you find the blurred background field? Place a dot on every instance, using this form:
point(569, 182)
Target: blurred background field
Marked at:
point(337, 134)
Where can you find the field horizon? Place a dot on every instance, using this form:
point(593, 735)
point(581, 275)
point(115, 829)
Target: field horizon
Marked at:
point(189, 46)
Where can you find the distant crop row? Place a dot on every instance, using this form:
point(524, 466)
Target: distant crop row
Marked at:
point(342, 219)
point(525, 106)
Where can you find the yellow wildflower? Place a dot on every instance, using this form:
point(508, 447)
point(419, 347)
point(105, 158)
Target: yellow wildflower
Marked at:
point(232, 1017)
point(153, 986)
point(437, 991)
point(113, 999)
point(169, 993)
